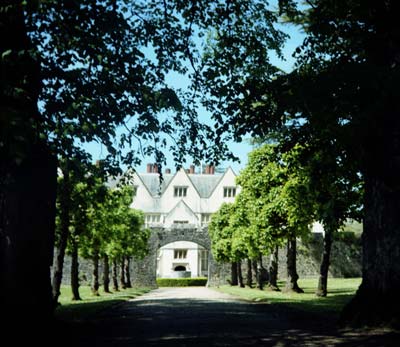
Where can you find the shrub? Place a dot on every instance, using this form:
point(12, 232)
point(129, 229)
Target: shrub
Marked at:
point(181, 282)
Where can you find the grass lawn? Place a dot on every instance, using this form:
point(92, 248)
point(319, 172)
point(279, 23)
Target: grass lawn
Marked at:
point(340, 291)
point(90, 305)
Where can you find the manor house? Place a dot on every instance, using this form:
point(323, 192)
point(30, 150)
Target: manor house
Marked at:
point(184, 200)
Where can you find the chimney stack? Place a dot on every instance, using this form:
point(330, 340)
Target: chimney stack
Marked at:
point(149, 168)
point(167, 171)
point(212, 169)
point(155, 168)
point(207, 170)
point(191, 169)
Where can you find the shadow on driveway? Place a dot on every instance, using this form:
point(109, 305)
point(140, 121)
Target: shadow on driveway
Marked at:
point(219, 322)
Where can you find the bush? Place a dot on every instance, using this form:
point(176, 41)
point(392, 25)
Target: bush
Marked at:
point(182, 282)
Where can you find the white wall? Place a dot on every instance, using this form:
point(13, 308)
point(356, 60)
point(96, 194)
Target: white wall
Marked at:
point(171, 208)
point(192, 199)
point(181, 212)
point(166, 262)
point(217, 197)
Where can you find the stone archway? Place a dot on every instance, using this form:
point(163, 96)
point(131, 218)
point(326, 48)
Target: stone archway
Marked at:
point(144, 270)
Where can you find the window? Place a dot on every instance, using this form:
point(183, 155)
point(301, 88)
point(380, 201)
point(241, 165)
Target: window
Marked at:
point(205, 218)
point(180, 191)
point(181, 221)
point(152, 218)
point(180, 253)
point(229, 192)
point(203, 260)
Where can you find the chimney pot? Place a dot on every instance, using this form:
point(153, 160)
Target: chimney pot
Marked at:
point(191, 169)
point(155, 168)
point(167, 171)
point(149, 168)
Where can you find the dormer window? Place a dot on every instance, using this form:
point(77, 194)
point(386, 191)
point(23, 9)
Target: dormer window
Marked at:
point(229, 192)
point(180, 191)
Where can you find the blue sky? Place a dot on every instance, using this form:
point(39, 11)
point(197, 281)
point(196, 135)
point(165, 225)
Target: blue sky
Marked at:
point(242, 149)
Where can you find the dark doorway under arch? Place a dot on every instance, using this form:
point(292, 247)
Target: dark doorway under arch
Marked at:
point(180, 268)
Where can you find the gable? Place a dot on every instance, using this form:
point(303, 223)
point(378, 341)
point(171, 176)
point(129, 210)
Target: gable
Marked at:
point(180, 179)
point(143, 199)
point(227, 180)
point(181, 213)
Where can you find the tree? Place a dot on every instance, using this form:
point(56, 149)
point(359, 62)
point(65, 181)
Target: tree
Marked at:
point(221, 238)
point(117, 233)
point(347, 70)
point(343, 86)
point(95, 77)
point(27, 183)
point(336, 186)
point(279, 205)
point(246, 240)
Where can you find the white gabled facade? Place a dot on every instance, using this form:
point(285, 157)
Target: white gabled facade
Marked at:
point(184, 199)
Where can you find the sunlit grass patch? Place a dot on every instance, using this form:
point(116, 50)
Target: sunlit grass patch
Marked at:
point(340, 291)
point(91, 305)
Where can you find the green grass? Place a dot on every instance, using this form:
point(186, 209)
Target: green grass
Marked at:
point(340, 291)
point(91, 305)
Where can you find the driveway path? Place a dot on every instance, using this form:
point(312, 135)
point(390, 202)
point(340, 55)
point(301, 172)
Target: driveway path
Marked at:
point(197, 316)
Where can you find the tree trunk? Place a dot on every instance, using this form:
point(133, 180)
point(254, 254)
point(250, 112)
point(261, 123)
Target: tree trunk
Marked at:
point(234, 274)
point(273, 269)
point(115, 275)
point(106, 274)
point(249, 274)
point(377, 299)
point(322, 289)
point(122, 274)
point(260, 284)
point(27, 222)
point(255, 271)
point(239, 274)
point(127, 263)
point(292, 276)
point(28, 184)
point(65, 202)
point(95, 273)
point(74, 270)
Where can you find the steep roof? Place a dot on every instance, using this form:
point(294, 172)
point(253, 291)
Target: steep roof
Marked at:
point(204, 184)
point(152, 182)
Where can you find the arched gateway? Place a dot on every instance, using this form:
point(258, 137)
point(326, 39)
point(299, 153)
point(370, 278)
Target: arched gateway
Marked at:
point(144, 270)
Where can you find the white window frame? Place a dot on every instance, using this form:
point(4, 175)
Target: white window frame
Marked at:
point(205, 218)
point(180, 191)
point(181, 222)
point(229, 192)
point(180, 253)
point(153, 218)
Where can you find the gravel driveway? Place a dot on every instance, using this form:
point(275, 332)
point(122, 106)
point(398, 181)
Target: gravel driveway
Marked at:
point(198, 316)
point(190, 293)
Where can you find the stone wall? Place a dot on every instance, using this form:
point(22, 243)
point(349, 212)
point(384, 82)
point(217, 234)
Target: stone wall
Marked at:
point(85, 271)
point(345, 258)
